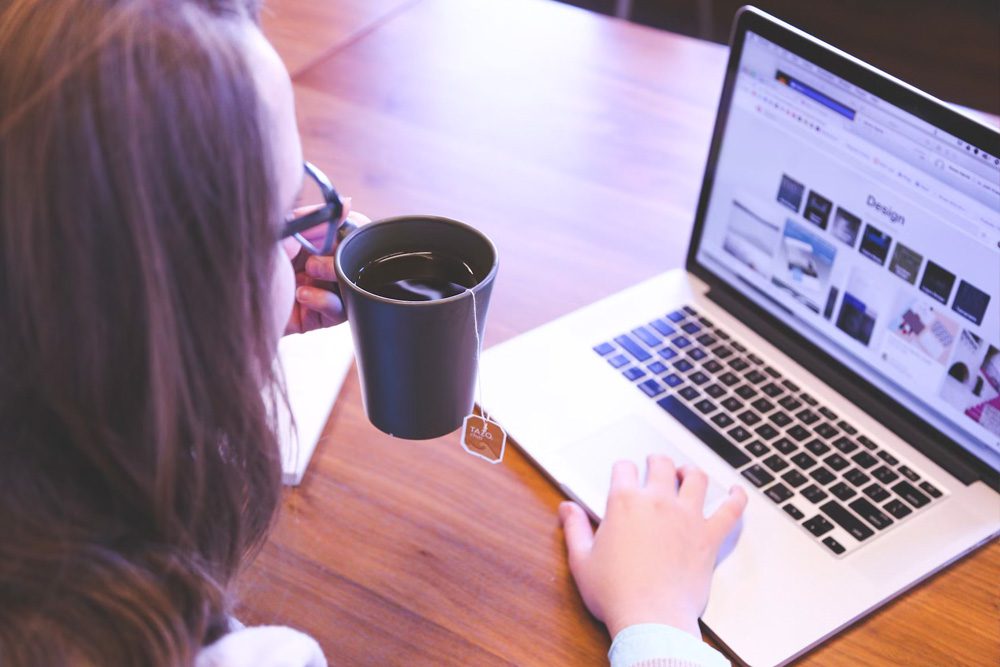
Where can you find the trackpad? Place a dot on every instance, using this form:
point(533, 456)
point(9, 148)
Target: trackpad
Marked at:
point(585, 471)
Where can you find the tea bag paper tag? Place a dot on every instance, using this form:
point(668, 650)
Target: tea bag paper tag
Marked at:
point(484, 438)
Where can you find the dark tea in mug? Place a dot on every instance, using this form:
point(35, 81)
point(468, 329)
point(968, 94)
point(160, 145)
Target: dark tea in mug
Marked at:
point(416, 276)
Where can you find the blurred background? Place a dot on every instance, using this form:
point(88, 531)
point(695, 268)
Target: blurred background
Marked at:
point(950, 49)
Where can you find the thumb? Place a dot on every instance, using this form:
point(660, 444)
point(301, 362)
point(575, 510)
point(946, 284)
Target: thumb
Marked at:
point(579, 534)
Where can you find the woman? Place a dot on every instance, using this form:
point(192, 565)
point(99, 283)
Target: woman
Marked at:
point(148, 158)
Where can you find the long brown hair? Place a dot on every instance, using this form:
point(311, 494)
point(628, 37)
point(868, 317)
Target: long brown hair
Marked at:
point(137, 463)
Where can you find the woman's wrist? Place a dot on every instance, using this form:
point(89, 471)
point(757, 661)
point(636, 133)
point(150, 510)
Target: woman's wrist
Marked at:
point(680, 621)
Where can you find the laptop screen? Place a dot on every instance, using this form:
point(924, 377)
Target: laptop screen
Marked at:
point(869, 231)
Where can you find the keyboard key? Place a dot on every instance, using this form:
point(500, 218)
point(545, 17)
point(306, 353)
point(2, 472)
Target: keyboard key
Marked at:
point(813, 494)
point(856, 477)
point(728, 379)
point(833, 545)
point(676, 316)
point(775, 463)
point(754, 358)
point(680, 342)
point(789, 403)
point(689, 310)
point(780, 419)
point(618, 360)
point(722, 334)
point(828, 413)
point(825, 430)
point(808, 399)
point(738, 347)
point(766, 431)
point(845, 445)
point(697, 354)
point(822, 475)
point(785, 446)
point(738, 364)
point(847, 428)
point(910, 494)
point(715, 441)
point(663, 327)
point(864, 459)
point(866, 441)
point(798, 432)
point(876, 492)
point(739, 434)
point(707, 339)
point(722, 420)
point(672, 380)
point(667, 353)
point(690, 393)
point(712, 366)
point(746, 392)
point(698, 378)
point(705, 406)
point(749, 417)
point(789, 385)
point(888, 458)
point(732, 404)
point(757, 448)
point(647, 336)
point(722, 352)
point(705, 321)
point(836, 461)
point(691, 327)
point(633, 373)
point(807, 416)
point(884, 475)
point(773, 372)
point(633, 348)
point(772, 390)
point(651, 388)
point(843, 491)
point(818, 525)
point(794, 478)
point(779, 493)
point(657, 367)
point(763, 405)
point(604, 349)
point(817, 447)
point(930, 490)
point(803, 460)
point(756, 377)
point(897, 508)
point(683, 365)
point(908, 473)
point(847, 521)
point(870, 513)
point(714, 390)
point(793, 511)
point(758, 476)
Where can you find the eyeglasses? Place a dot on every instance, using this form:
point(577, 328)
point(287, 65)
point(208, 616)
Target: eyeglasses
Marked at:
point(329, 211)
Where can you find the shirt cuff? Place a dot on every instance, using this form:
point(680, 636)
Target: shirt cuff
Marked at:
point(653, 643)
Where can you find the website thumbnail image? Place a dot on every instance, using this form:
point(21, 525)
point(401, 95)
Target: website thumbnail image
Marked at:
point(917, 319)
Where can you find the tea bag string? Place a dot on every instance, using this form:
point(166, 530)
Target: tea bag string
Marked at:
point(479, 347)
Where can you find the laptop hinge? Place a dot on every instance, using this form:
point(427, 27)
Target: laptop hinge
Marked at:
point(942, 450)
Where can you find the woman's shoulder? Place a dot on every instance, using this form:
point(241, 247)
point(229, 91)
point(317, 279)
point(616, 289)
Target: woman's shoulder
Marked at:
point(263, 646)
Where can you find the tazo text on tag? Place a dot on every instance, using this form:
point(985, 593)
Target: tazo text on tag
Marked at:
point(483, 438)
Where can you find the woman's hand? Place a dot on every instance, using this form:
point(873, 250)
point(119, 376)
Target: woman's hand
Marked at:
point(317, 302)
point(652, 557)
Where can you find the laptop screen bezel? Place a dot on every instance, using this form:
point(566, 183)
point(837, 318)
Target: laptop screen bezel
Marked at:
point(893, 91)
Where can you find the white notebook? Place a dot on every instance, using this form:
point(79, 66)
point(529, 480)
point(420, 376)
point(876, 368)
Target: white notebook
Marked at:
point(315, 365)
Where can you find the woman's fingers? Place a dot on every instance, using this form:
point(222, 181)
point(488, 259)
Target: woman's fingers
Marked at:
point(321, 301)
point(320, 267)
point(729, 512)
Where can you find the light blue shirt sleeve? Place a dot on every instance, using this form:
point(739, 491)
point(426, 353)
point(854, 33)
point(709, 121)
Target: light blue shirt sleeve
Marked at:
point(658, 645)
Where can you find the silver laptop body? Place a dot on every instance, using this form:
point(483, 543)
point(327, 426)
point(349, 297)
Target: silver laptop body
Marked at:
point(833, 345)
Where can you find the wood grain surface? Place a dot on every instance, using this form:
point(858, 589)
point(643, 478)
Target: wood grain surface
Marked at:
point(577, 142)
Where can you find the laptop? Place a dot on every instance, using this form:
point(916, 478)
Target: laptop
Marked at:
point(833, 344)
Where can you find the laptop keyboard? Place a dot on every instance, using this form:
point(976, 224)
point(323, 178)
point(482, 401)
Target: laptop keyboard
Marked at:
point(839, 485)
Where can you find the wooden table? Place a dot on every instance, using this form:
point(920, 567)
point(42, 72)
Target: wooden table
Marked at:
point(578, 143)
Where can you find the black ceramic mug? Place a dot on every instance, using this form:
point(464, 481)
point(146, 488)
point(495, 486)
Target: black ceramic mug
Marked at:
point(417, 360)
